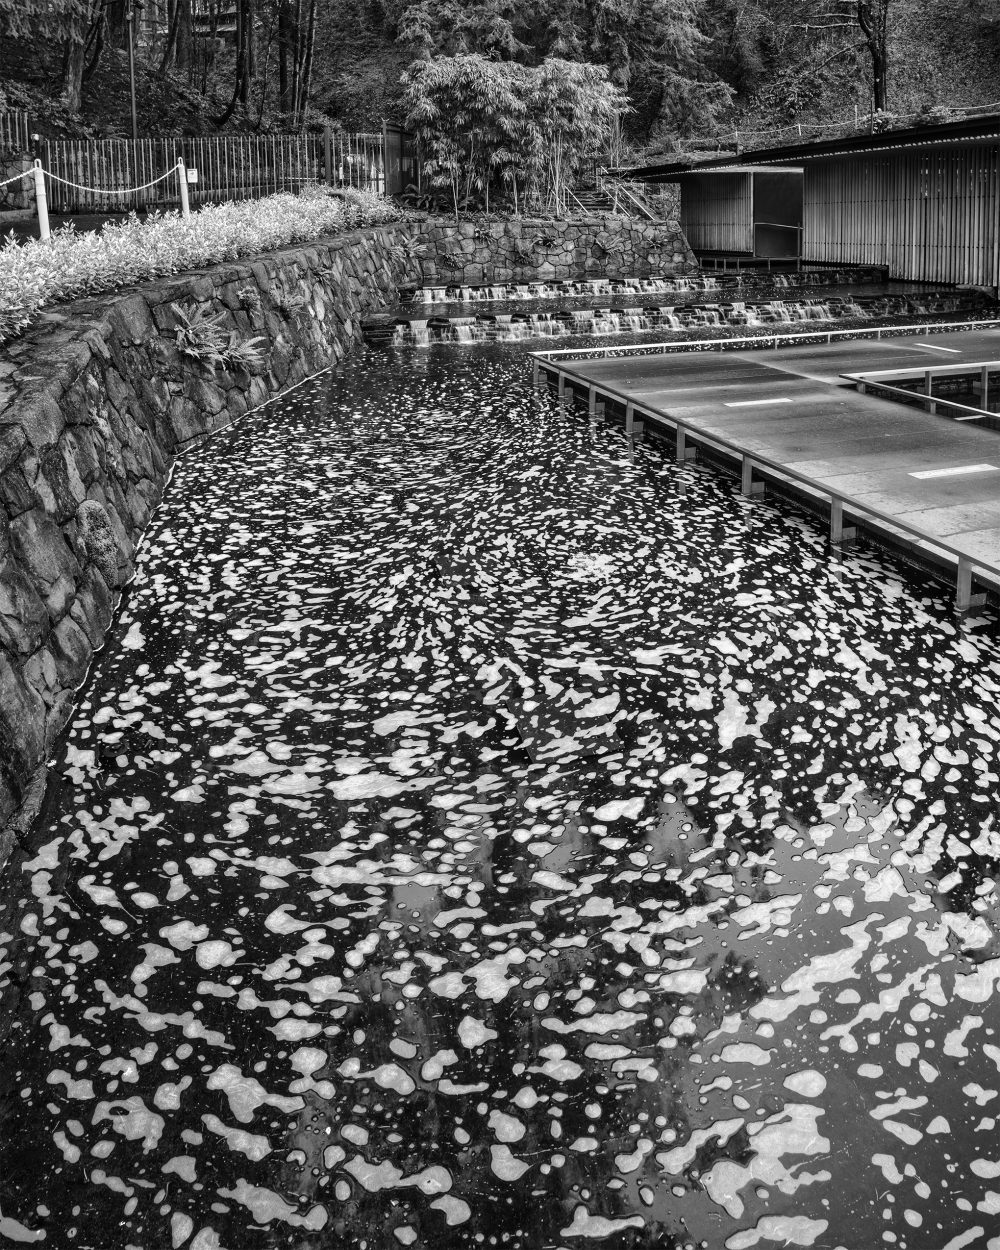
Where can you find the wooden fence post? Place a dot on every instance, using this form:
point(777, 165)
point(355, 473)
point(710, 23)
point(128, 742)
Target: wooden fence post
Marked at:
point(328, 155)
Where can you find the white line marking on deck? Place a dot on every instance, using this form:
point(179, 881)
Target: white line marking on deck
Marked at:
point(963, 468)
point(956, 351)
point(755, 403)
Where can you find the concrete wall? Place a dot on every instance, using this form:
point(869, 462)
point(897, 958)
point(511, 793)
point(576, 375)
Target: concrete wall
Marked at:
point(97, 399)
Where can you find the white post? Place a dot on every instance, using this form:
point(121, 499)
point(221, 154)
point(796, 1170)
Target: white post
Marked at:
point(41, 203)
point(183, 177)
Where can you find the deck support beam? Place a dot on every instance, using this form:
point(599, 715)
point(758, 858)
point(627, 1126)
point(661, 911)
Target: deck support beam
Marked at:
point(683, 451)
point(964, 598)
point(839, 532)
point(747, 484)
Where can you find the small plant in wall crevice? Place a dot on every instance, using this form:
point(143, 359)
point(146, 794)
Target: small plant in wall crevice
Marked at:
point(244, 354)
point(199, 334)
point(408, 251)
point(289, 304)
point(200, 337)
point(249, 298)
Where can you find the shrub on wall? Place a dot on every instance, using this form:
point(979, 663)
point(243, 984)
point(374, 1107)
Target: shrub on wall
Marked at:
point(35, 274)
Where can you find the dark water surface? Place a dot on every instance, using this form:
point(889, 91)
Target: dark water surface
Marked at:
point(476, 834)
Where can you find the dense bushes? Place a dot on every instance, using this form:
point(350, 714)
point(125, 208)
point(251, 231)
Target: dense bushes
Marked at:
point(518, 130)
point(34, 274)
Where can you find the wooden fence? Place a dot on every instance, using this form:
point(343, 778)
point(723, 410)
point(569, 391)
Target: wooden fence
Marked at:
point(99, 175)
point(15, 131)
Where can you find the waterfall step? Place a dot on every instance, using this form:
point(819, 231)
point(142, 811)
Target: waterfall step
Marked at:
point(630, 319)
point(751, 280)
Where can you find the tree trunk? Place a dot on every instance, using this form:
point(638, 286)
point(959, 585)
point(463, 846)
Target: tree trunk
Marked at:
point(81, 32)
point(306, 85)
point(241, 82)
point(873, 18)
point(244, 41)
point(286, 43)
point(95, 42)
point(170, 47)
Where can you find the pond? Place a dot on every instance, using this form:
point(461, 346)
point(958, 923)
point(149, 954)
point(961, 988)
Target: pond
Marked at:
point(479, 831)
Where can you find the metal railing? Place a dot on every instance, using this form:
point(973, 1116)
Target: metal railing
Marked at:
point(880, 382)
point(636, 201)
point(764, 341)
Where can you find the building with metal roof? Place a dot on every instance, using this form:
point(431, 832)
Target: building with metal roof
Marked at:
point(924, 201)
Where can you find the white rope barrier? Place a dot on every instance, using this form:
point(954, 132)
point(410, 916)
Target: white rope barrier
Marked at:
point(17, 178)
point(116, 190)
point(41, 200)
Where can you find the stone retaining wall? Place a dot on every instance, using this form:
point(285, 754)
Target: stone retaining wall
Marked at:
point(525, 250)
point(95, 402)
point(97, 399)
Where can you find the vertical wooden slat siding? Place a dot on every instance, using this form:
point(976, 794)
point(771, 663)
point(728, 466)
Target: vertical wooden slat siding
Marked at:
point(928, 215)
point(717, 213)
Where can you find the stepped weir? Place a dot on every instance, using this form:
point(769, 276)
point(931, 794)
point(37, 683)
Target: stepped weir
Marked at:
point(549, 310)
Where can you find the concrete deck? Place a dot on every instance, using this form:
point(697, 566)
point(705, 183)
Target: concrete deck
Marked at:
point(790, 412)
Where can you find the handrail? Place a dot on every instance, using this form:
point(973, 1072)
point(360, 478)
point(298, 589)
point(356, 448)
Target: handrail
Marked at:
point(920, 372)
point(687, 345)
point(931, 402)
point(636, 201)
point(762, 461)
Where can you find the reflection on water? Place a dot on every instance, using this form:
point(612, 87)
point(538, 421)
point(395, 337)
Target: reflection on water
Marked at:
point(481, 832)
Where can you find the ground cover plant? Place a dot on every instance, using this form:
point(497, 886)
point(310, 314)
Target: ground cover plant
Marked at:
point(35, 275)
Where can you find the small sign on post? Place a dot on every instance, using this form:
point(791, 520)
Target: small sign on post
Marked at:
point(192, 176)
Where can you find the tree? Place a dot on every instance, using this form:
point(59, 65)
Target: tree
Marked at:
point(873, 18)
point(653, 49)
point(484, 124)
point(848, 18)
point(84, 21)
point(177, 49)
point(575, 109)
point(467, 113)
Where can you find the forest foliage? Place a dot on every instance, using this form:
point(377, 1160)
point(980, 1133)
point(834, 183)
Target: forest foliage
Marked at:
point(689, 70)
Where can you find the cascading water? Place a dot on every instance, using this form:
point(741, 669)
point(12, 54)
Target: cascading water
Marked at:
point(450, 319)
point(655, 284)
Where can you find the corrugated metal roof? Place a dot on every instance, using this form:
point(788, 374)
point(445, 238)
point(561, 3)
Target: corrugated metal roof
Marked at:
point(968, 130)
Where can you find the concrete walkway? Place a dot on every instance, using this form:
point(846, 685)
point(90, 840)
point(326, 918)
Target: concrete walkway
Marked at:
point(791, 411)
